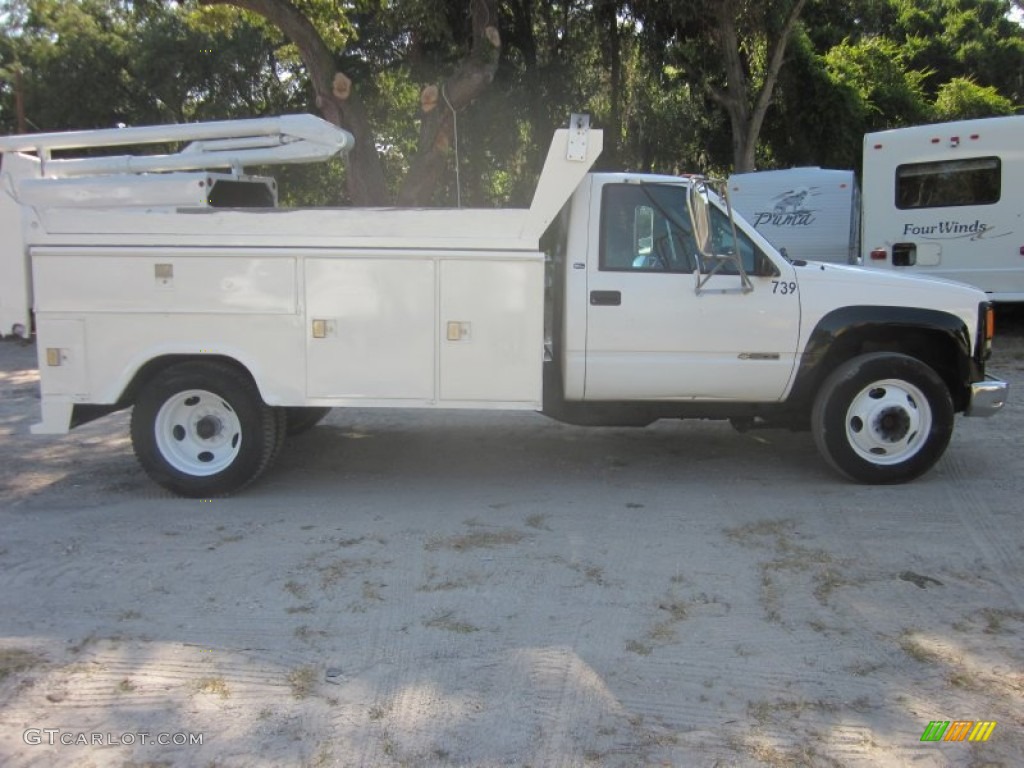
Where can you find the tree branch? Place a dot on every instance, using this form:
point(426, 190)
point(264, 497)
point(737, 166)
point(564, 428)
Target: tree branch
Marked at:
point(775, 66)
point(334, 96)
point(472, 76)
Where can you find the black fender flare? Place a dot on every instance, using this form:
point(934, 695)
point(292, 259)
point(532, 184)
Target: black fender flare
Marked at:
point(842, 333)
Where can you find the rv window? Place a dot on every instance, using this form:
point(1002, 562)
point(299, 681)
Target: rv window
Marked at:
point(948, 183)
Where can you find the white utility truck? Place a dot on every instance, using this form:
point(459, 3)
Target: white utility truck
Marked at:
point(806, 213)
point(948, 200)
point(156, 283)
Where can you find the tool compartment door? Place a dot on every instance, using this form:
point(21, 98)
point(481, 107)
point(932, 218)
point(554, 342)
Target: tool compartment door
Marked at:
point(371, 328)
point(492, 330)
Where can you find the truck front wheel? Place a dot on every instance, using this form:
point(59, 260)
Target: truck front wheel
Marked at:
point(202, 430)
point(882, 418)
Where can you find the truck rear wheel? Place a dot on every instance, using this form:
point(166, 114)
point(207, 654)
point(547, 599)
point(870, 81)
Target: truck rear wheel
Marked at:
point(882, 418)
point(303, 419)
point(202, 430)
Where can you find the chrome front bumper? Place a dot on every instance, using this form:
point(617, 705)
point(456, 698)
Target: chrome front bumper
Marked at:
point(987, 397)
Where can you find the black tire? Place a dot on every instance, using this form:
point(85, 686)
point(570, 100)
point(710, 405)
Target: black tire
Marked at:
point(280, 432)
point(882, 418)
point(201, 429)
point(303, 419)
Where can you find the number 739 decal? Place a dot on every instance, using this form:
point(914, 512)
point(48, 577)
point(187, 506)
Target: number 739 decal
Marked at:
point(783, 287)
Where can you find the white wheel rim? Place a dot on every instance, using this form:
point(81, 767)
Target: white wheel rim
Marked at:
point(198, 433)
point(888, 422)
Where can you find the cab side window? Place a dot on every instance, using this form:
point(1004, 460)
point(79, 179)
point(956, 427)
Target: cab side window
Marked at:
point(753, 258)
point(646, 228)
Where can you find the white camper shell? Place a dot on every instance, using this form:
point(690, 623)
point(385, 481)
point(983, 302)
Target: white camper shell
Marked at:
point(807, 213)
point(947, 200)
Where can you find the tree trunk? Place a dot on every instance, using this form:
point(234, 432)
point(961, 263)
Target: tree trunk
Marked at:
point(608, 18)
point(746, 120)
point(337, 102)
point(440, 106)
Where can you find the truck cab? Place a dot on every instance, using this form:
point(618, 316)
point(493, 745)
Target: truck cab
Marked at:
point(656, 318)
point(645, 318)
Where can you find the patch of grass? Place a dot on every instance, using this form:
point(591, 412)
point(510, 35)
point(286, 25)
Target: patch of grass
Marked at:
point(295, 589)
point(449, 623)
point(451, 583)
point(307, 608)
point(793, 557)
point(911, 646)
point(129, 616)
point(662, 633)
point(213, 685)
point(14, 660)
point(745, 534)
point(344, 543)
point(82, 644)
point(334, 572)
point(592, 573)
point(767, 712)
point(477, 540)
point(864, 668)
point(372, 591)
point(306, 634)
point(302, 681)
point(964, 681)
point(635, 646)
point(996, 619)
point(789, 557)
point(828, 580)
point(538, 521)
point(126, 686)
point(770, 597)
point(675, 608)
point(775, 757)
point(322, 758)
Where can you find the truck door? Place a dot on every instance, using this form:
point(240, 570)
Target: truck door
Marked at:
point(651, 337)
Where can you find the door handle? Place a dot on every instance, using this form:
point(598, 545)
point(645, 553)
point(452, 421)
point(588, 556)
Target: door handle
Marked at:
point(605, 298)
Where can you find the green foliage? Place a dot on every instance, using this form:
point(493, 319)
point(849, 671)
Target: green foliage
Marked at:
point(644, 69)
point(962, 98)
point(883, 90)
point(100, 63)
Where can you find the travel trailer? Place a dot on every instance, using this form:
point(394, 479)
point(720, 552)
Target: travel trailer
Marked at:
point(947, 200)
point(807, 213)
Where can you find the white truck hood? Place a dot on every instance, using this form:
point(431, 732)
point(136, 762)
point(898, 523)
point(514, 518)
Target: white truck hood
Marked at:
point(825, 287)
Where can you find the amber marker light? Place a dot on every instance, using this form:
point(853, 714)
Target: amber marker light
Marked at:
point(990, 329)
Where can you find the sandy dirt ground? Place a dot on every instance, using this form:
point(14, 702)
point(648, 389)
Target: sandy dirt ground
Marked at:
point(496, 589)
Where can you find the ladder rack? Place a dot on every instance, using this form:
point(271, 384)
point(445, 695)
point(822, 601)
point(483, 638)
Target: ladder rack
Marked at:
point(221, 144)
